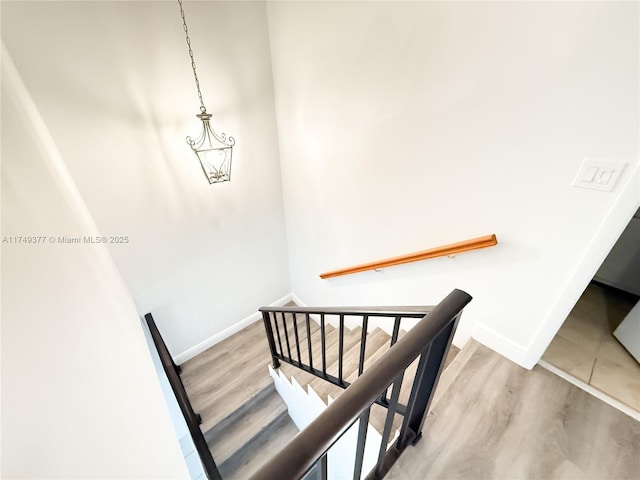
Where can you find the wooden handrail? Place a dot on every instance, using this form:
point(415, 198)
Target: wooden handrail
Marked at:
point(442, 251)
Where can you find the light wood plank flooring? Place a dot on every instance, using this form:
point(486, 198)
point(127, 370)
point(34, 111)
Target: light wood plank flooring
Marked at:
point(245, 422)
point(496, 420)
point(228, 374)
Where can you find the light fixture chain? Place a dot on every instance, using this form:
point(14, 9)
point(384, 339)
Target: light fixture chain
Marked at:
point(193, 62)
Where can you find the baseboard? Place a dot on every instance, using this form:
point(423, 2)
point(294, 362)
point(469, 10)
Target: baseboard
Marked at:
point(499, 343)
point(227, 332)
point(295, 299)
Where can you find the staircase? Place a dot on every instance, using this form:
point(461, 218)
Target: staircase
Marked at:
point(244, 420)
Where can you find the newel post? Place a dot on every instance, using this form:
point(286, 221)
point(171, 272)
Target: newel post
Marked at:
point(430, 367)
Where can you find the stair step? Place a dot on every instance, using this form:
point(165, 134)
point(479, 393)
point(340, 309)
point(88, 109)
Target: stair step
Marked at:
point(351, 338)
point(262, 449)
point(241, 429)
point(331, 339)
point(375, 340)
point(208, 364)
point(377, 345)
point(324, 388)
point(314, 328)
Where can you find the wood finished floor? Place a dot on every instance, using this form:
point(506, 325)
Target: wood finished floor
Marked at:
point(245, 422)
point(228, 374)
point(497, 420)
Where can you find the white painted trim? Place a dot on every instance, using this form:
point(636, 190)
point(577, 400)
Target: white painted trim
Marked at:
point(283, 301)
point(499, 343)
point(601, 244)
point(591, 390)
point(227, 332)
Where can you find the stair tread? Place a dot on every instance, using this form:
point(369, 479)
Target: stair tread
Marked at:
point(331, 337)
point(375, 347)
point(300, 322)
point(350, 339)
point(376, 340)
point(253, 419)
point(262, 450)
point(250, 335)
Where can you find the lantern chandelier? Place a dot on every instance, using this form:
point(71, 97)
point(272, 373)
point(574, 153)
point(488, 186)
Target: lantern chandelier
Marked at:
point(213, 150)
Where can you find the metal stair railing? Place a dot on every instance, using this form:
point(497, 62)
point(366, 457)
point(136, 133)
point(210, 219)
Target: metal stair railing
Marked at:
point(192, 419)
point(428, 341)
point(283, 326)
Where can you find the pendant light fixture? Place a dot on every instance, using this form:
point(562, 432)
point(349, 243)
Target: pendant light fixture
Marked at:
point(213, 150)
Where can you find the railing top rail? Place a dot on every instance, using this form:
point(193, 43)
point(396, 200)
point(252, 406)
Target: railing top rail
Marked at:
point(442, 251)
point(414, 311)
point(301, 453)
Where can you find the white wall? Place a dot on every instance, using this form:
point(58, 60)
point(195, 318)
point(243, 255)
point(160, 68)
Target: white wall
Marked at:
point(401, 126)
point(113, 83)
point(410, 125)
point(80, 398)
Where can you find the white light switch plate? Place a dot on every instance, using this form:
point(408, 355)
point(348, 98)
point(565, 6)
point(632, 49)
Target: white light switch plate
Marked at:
point(599, 174)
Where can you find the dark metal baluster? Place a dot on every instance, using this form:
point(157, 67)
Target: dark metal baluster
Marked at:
point(394, 339)
point(388, 423)
point(396, 330)
point(286, 334)
point(272, 344)
point(275, 322)
point(324, 467)
point(295, 331)
point(341, 347)
point(309, 340)
point(363, 343)
point(323, 344)
point(362, 439)
point(428, 372)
